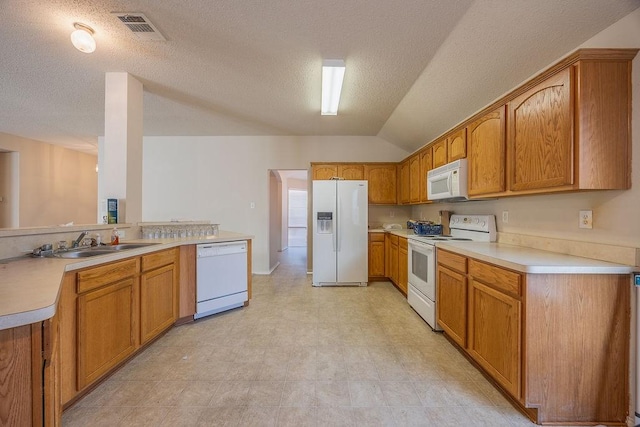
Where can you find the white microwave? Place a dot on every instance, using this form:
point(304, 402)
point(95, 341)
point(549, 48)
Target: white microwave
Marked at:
point(448, 181)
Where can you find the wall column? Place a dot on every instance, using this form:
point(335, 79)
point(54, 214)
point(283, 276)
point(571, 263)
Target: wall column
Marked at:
point(120, 151)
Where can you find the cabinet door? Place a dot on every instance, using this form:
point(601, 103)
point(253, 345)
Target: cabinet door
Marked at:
point(495, 334)
point(403, 265)
point(393, 261)
point(327, 171)
point(405, 179)
point(457, 146)
point(486, 154)
point(439, 153)
point(355, 172)
point(414, 179)
point(541, 135)
point(426, 164)
point(452, 304)
point(106, 329)
point(157, 301)
point(376, 255)
point(382, 183)
point(387, 255)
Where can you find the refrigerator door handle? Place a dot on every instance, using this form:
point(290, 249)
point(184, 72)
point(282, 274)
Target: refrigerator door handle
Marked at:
point(336, 236)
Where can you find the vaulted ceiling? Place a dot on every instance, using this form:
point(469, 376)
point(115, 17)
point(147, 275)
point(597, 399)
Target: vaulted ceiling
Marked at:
point(246, 67)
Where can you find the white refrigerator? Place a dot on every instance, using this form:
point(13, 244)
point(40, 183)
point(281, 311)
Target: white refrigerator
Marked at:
point(340, 227)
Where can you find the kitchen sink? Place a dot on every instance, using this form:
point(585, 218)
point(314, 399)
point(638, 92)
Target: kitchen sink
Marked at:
point(99, 250)
point(85, 253)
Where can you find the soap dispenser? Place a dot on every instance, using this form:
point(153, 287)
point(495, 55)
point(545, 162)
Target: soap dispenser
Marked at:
point(115, 238)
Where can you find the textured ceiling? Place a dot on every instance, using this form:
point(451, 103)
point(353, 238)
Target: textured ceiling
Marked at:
point(241, 67)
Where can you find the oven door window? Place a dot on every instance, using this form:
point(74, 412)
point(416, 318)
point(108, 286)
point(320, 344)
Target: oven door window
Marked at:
point(420, 266)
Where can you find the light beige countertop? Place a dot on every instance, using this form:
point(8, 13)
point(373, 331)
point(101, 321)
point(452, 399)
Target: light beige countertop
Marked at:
point(534, 261)
point(30, 287)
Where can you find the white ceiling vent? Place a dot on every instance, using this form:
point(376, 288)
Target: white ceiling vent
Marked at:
point(140, 26)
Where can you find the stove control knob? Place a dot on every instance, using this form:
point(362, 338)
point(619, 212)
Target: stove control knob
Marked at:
point(476, 220)
point(483, 224)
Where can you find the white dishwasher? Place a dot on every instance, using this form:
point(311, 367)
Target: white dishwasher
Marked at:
point(221, 277)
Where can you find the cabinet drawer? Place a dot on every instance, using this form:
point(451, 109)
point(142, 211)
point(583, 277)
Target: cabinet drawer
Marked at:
point(106, 274)
point(403, 243)
point(376, 237)
point(393, 238)
point(453, 261)
point(158, 259)
point(497, 277)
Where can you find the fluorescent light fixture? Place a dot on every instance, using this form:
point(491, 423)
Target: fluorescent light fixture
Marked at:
point(332, 77)
point(82, 38)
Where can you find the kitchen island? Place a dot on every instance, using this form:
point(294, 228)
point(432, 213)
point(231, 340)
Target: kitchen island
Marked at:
point(550, 330)
point(67, 323)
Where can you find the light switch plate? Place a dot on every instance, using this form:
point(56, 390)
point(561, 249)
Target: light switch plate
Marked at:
point(505, 217)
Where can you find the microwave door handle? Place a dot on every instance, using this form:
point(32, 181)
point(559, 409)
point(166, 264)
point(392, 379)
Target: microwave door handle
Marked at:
point(449, 183)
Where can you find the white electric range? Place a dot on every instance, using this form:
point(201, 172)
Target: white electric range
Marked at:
point(421, 293)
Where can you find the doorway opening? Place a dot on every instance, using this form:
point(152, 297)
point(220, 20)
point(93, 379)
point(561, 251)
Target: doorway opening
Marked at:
point(288, 210)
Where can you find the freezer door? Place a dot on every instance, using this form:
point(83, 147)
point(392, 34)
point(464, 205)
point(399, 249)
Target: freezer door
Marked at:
point(324, 238)
point(352, 226)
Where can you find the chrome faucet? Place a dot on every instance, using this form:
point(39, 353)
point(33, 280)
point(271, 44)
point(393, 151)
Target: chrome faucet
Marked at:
point(77, 242)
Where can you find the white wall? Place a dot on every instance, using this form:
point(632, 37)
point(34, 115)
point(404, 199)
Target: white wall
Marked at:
point(275, 218)
point(615, 213)
point(216, 178)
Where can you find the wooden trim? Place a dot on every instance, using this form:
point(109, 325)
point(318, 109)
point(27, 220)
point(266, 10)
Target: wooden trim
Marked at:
point(187, 298)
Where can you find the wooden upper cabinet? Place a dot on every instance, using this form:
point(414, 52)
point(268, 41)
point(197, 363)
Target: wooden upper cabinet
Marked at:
point(383, 183)
point(426, 164)
point(353, 171)
point(457, 145)
point(439, 153)
point(541, 135)
point(414, 179)
point(327, 171)
point(486, 154)
point(405, 182)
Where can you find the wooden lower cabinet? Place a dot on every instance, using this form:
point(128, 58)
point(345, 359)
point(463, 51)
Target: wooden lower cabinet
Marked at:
point(108, 312)
point(376, 255)
point(495, 320)
point(403, 261)
point(393, 260)
point(557, 344)
point(21, 381)
point(106, 329)
point(158, 294)
point(396, 261)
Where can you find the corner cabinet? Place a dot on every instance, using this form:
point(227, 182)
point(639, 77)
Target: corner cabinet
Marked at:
point(382, 180)
point(551, 342)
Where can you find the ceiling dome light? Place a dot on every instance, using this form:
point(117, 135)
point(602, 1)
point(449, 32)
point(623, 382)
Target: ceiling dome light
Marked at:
point(82, 38)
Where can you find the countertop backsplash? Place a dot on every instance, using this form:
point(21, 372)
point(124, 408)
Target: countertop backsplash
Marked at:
point(379, 215)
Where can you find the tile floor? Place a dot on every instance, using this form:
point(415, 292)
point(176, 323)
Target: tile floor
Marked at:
point(300, 356)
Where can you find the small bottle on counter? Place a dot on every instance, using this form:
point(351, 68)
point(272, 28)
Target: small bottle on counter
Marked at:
point(115, 239)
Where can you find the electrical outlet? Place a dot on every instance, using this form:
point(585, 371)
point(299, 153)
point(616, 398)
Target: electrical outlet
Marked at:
point(252, 205)
point(586, 219)
point(392, 214)
point(505, 217)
